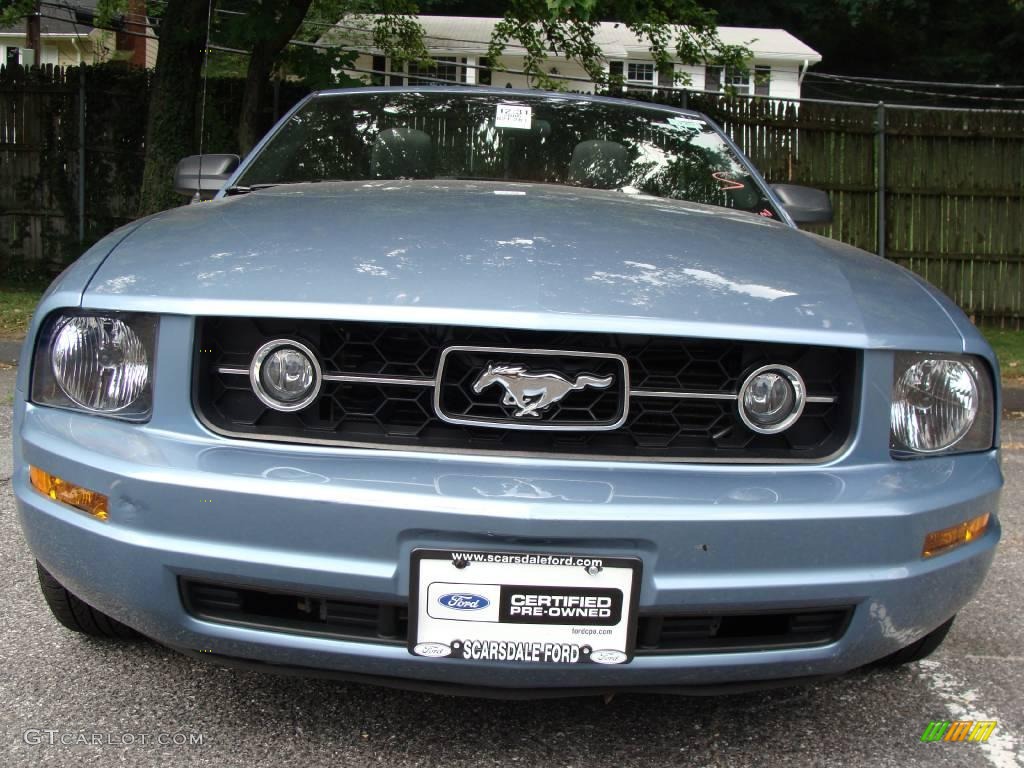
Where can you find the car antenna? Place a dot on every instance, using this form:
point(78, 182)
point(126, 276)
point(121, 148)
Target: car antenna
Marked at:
point(197, 198)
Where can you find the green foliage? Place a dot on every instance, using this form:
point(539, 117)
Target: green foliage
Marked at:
point(40, 236)
point(401, 36)
point(18, 299)
point(266, 28)
point(568, 28)
point(943, 40)
point(13, 12)
point(390, 26)
point(226, 64)
point(317, 68)
point(107, 10)
point(47, 180)
point(223, 99)
point(246, 24)
point(1009, 348)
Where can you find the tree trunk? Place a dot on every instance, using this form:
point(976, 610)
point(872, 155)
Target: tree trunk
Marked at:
point(252, 124)
point(171, 127)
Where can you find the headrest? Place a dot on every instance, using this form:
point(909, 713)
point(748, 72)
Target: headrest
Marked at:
point(402, 153)
point(599, 164)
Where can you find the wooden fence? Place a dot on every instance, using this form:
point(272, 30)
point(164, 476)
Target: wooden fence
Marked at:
point(72, 143)
point(38, 118)
point(939, 191)
point(950, 182)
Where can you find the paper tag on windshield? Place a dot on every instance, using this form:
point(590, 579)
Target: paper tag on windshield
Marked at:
point(513, 116)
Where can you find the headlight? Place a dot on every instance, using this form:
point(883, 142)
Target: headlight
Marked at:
point(100, 363)
point(941, 404)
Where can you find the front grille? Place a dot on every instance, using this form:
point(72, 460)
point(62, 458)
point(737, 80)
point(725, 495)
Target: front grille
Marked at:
point(379, 391)
point(741, 631)
point(348, 619)
point(298, 614)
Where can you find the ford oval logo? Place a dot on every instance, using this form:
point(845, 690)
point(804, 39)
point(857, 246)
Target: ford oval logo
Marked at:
point(463, 601)
point(608, 656)
point(432, 650)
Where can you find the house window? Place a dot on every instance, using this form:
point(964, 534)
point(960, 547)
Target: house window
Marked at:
point(441, 68)
point(640, 72)
point(738, 79)
point(13, 56)
point(712, 79)
point(762, 80)
point(483, 75)
point(395, 72)
point(446, 69)
point(379, 66)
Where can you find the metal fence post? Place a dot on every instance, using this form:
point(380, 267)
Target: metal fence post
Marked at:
point(81, 153)
point(881, 179)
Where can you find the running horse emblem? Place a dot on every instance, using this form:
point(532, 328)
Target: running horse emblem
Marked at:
point(533, 393)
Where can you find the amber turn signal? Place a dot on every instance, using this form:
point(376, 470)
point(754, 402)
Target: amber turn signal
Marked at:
point(68, 493)
point(937, 542)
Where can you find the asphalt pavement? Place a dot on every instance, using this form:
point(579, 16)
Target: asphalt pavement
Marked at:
point(69, 700)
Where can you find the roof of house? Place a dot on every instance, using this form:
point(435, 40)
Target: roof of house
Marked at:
point(470, 34)
point(59, 20)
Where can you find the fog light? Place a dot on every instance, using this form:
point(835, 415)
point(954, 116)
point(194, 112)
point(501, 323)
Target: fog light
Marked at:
point(285, 375)
point(68, 493)
point(937, 542)
point(771, 399)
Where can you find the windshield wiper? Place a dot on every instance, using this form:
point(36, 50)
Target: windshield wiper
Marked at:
point(239, 189)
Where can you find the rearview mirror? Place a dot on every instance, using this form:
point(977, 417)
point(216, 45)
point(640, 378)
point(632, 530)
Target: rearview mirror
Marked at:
point(804, 204)
point(204, 174)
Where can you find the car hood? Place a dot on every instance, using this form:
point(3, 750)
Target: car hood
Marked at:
point(515, 255)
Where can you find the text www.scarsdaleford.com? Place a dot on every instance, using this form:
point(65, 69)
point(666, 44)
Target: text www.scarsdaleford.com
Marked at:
point(526, 559)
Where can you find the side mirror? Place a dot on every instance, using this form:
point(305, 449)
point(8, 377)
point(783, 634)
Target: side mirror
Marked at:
point(804, 204)
point(204, 174)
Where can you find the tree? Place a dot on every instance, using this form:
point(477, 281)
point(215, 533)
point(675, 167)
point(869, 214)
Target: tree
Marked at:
point(569, 28)
point(171, 130)
point(282, 20)
point(266, 28)
point(941, 40)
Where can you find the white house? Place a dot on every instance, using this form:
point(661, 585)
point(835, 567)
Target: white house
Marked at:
point(459, 47)
point(68, 39)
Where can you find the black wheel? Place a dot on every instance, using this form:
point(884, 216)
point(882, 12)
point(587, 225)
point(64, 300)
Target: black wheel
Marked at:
point(77, 615)
point(919, 650)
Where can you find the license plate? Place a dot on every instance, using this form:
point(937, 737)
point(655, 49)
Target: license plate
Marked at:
point(523, 607)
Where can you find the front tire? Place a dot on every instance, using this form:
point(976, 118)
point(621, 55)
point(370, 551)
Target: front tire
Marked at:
point(920, 649)
point(75, 614)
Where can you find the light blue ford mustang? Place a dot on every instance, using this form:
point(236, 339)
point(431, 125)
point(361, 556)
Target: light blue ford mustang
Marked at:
point(505, 393)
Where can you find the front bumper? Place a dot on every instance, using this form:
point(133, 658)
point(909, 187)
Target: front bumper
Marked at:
point(308, 519)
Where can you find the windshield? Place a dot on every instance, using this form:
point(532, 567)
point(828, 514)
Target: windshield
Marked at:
point(471, 135)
